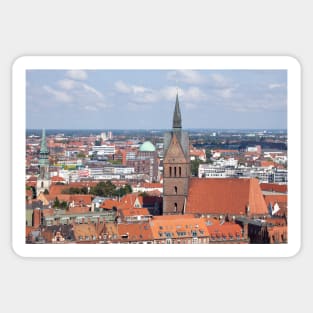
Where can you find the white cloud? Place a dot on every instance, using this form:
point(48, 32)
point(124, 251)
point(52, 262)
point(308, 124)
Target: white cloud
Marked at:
point(77, 74)
point(188, 94)
point(140, 95)
point(58, 95)
point(219, 80)
point(275, 86)
point(122, 87)
point(67, 84)
point(186, 76)
point(226, 93)
point(169, 93)
point(92, 90)
point(137, 93)
point(90, 108)
point(194, 94)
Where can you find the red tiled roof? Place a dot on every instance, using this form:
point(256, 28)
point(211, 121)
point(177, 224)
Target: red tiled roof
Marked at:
point(151, 185)
point(274, 187)
point(130, 199)
point(55, 179)
point(32, 179)
point(225, 196)
point(177, 223)
point(110, 203)
point(135, 232)
point(227, 230)
point(135, 212)
point(264, 163)
point(272, 199)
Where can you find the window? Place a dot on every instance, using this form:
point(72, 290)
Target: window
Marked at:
point(175, 171)
point(168, 234)
point(180, 171)
point(175, 206)
point(170, 171)
point(175, 189)
point(194, 240)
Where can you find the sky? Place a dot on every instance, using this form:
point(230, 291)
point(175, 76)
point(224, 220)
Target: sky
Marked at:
point(145, 99)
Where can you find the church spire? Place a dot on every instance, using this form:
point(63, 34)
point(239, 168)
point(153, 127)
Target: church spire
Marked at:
point(177, 115)
point(44, 153)
point(43, 145)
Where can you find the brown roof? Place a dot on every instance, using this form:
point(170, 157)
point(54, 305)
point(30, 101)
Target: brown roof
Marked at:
point(272, 199)
point(134, 232)
point(55, 179)
point(225, 196)
point(273, 187)
point(134, 212)
point(83, 230)
point(226, 230)
point(110, 203)
point(160, 225)
point(130, 199)
point(32, 179)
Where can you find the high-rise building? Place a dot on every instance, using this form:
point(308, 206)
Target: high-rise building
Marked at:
point(176, 166)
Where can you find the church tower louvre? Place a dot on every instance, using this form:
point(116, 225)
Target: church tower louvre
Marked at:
point(176, 166)
point(43, 180)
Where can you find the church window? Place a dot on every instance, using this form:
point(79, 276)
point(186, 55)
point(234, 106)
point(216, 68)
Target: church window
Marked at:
point(170, 171)
point(175, 171)
point(175, 189)
point(180, 171)
point(175, 206)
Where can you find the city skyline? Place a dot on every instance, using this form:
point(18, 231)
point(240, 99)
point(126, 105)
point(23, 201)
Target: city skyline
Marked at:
point(141, 99)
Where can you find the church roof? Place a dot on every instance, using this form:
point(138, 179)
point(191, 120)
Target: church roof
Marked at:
point(147, 146)
point(225, 196)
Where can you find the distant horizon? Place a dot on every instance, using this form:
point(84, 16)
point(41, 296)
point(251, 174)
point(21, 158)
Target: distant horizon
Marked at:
point(157, 129)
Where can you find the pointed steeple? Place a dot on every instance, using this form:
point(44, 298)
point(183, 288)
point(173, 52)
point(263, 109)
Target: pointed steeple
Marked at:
point(43, 145)
point(177, 124)
point(44, 152)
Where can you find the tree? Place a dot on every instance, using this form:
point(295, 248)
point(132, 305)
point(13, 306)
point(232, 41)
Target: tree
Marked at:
point(80, 155)
point(194, 166)
point(104, 189)
point(56, 203)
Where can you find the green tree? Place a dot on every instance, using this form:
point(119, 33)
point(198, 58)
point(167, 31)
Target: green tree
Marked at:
point(56, 203)
point(80, 155)
point(194, 166)
point(104, 189)
point(63, 205)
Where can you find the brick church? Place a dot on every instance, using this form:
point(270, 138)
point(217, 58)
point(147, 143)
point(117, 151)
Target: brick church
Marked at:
point(203, 196)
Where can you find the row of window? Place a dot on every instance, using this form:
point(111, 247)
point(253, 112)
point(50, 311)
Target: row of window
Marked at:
point(175, 171)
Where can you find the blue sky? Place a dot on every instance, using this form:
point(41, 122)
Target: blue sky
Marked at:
point(145, 99)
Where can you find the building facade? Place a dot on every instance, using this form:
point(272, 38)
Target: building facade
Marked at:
point(176, 166)
point(43, 180)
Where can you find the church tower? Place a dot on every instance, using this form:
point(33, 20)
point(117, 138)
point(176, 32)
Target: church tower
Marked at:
point(43, 180)
point(176, 166)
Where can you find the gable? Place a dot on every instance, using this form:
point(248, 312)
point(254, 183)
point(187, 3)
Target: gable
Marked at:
point(175, 152)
